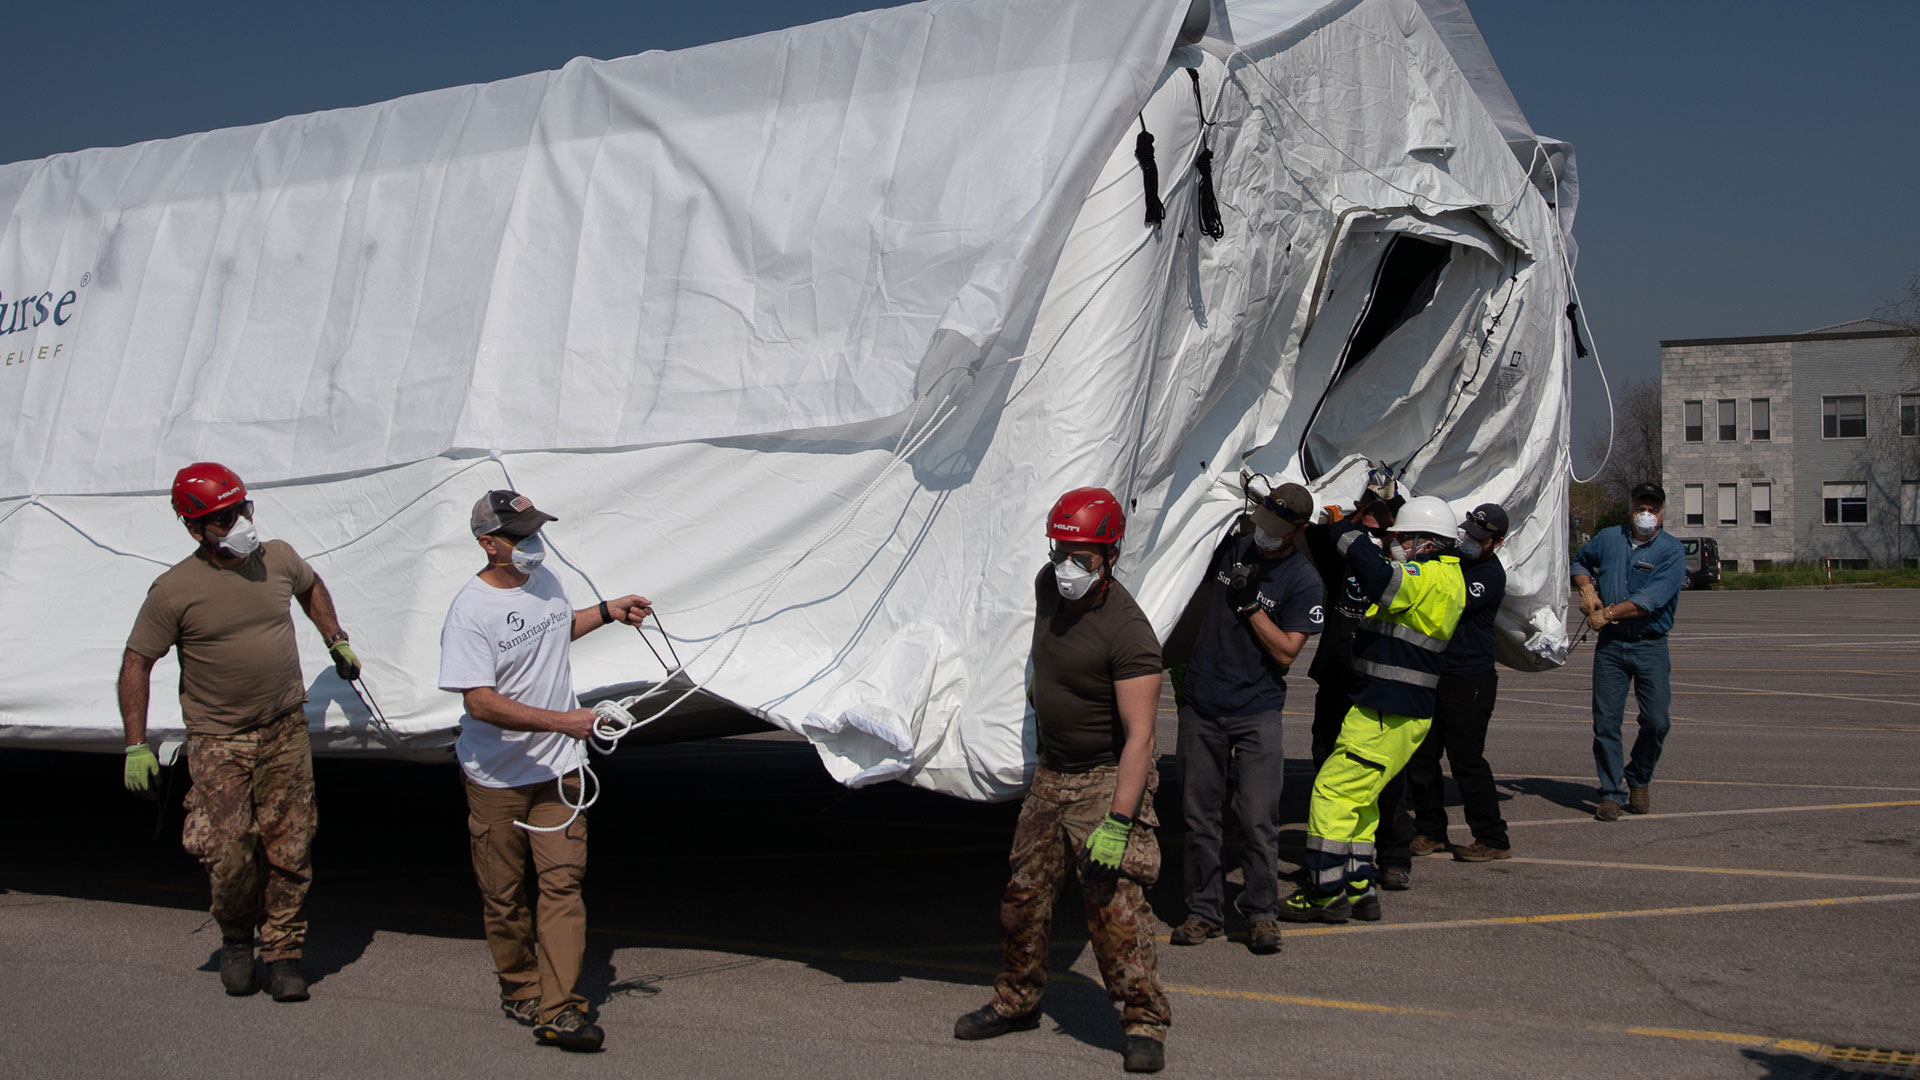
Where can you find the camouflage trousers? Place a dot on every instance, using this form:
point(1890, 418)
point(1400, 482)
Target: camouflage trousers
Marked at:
point(1060, 811)
point(250, 822)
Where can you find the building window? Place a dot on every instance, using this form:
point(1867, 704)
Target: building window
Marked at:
point(1762, 500)
point(1762, 419)
point(1728, 431)
point(1843, 417)
point(1731, 566)
point(1761, 566)
point(1696, 494)
point(1910, 415)
point(1910, 502)
point(1728, 493)
point(1849, 564)
point(1846, 504)
point(1695, 414)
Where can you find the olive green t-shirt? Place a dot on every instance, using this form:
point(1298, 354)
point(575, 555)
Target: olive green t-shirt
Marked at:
point(1077, 657)
point(239, 665)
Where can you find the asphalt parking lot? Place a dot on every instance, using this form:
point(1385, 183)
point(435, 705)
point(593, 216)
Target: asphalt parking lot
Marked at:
point(751, 918)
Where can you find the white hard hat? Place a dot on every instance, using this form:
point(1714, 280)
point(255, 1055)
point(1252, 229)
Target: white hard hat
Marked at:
point(1427, 514)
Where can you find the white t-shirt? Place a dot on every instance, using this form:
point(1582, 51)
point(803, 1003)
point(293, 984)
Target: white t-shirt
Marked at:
point(515, 641)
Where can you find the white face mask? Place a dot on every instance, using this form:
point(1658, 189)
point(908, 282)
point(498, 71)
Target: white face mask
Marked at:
point(1469, 548)
point(1267, 543)
point(1644, 523)
point(528, 554)
point(1074, 582)
point(1398, 553)
point(242, 540)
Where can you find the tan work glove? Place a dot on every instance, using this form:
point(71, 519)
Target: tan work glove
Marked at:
point(1589, 599)
point(1598, 619)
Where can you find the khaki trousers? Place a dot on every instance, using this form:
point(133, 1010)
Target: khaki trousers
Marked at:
point(538, 940)
point(250, 822)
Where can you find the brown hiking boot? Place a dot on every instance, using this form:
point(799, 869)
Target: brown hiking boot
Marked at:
point(1637, 800)
point(1194, 931)
point(1264, 937)
point(1609, 811)
point(1427, 845)
point(1479, 852)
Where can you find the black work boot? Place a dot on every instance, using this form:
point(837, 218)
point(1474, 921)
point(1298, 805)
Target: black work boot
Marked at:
point(986, 1022)
point(285, 982)
point(570, 1030)
point(236, 967)
point(1145, 1054)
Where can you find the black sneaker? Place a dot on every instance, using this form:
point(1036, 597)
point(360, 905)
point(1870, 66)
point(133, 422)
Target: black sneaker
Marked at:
point(1194, 931)
point(1306, 907)
point(569, 1031)
point(236, 967)
point(986, 1022)
point(1145, 1054)
point(285, 982)
point(1365, 900)
point(525, 1012)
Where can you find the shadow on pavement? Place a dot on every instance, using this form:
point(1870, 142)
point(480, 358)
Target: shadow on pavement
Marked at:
point(1567, 793)
point(735, 851)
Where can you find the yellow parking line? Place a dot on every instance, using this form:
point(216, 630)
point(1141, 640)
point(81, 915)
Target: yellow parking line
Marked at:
point(1685, 1034)
point(1594, 916)
point(1721, 813)
point(1730, 870)
point(1738, 783)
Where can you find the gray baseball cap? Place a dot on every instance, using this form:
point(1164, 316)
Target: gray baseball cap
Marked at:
point(507, 512)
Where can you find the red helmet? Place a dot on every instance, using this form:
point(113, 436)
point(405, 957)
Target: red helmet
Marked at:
point(1090, 515)
point(204, 487)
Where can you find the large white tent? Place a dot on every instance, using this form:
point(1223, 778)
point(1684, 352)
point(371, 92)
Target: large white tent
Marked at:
point(799, 335)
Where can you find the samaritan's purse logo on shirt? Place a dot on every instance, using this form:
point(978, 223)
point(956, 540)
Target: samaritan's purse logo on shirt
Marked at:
point(538, 629)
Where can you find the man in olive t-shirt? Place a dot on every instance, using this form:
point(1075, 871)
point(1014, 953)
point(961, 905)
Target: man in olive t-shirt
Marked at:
point(250, 812)
point(1095, 692)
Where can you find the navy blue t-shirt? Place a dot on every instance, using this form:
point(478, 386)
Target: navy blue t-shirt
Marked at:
point(1470, 650)
point(1230, 674)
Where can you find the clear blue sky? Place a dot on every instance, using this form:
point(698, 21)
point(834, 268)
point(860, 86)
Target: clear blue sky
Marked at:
point(1746, 168)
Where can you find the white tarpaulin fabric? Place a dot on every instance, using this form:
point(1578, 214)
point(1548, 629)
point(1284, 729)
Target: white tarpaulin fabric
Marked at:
point(799, 336)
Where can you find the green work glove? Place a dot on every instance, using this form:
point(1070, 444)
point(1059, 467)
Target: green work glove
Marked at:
point(346, 663)
point(1107, 844)
point(141, 768)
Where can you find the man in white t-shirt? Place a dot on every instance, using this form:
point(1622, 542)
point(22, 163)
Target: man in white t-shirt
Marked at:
point(504, 649)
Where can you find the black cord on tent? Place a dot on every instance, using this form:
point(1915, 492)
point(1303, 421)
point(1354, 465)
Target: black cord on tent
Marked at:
point(1208, 204)
point(1149, 174)
point(1573, 319)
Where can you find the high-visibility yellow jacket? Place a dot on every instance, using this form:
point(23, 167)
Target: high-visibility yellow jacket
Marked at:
point(1416, 606)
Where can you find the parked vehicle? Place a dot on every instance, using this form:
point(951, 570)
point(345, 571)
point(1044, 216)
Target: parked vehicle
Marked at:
point(1703, 562)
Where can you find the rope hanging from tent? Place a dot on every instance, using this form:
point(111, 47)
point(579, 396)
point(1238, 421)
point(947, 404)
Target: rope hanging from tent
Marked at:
point(1209, 205)
point(1149, 174)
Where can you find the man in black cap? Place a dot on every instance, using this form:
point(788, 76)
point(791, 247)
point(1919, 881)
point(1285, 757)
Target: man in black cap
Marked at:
point(1463, 704)
point(1263, 602)
point(506, 650)
point(1629, 580)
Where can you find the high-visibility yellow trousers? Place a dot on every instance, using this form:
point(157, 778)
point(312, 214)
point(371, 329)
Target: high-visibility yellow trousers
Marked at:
point(1345, 810)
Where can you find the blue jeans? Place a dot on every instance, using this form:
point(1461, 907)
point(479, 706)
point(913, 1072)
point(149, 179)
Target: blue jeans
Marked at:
point(1645, 663)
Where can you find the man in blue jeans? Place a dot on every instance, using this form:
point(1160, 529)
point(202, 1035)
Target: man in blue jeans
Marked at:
point(1629, 580)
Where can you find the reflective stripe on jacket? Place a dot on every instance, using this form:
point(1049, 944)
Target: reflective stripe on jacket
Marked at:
point(1397, 649)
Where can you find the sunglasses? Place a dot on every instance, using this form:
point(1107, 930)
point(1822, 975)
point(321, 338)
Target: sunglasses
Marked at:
point(224, 519)
point(1480, 520)
point(1286, 512)
point(1081, 559)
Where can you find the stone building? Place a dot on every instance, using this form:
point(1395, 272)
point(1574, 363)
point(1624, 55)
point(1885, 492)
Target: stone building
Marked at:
point(1802, 447)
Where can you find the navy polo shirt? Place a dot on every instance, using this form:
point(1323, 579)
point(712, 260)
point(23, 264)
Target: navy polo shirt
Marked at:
point(1230, 674)
point(1470, 649)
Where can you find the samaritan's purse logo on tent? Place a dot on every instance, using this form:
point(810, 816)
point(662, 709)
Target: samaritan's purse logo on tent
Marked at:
point(22, 314)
